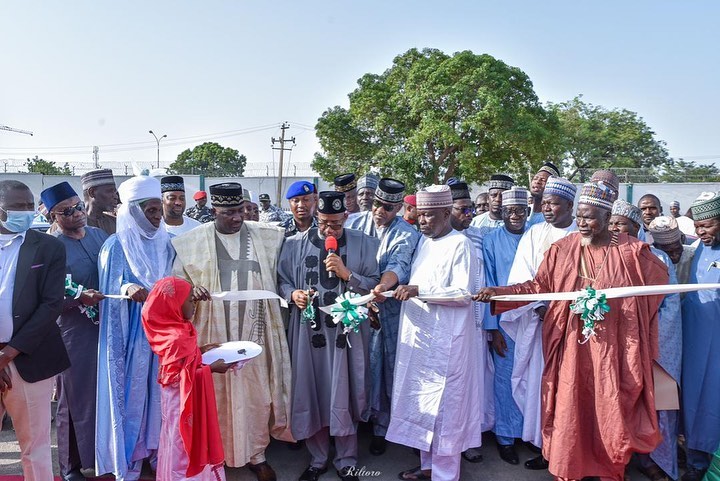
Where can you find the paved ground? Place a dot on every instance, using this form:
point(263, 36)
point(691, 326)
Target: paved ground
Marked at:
point(290, 464)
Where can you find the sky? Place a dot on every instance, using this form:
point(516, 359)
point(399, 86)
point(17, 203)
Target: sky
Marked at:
point(84, 73)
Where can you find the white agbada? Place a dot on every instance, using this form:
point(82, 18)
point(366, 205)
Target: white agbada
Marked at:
point(188, 224)
point(523, 325)
point(435, 402)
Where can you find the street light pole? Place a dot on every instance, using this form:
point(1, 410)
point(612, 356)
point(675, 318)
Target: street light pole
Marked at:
point(158, 145)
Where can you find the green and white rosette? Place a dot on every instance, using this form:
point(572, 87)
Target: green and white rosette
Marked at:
point(75, 291)
point(308, 314)
point(349, 314)
point(591, 307)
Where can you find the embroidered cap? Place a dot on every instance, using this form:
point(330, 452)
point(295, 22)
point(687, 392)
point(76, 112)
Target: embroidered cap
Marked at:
point(459, 190)
point(52, 196)
point(560, 187)
point(515, 196)
point(597, 194)
point(345, 182)
point(228, 194)
point(331, 202)
point(500, 181)
point(626, 209)
point(97, 177)
point(706, 206)
point(172, 183)
point(390, 190)
point(608, 178)
point(434, 197)
point(368, 181)
point(550, 168)
point(665, 230)
point(301, 187)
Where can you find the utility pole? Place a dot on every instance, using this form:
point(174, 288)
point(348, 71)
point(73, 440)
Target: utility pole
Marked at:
point(282, 149)
point(96, 156)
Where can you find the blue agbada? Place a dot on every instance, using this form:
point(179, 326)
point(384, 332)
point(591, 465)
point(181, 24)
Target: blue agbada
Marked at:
point(499, 248)
point(701, 355)
point(670, 343)
point(128, 394)
point(397, 245)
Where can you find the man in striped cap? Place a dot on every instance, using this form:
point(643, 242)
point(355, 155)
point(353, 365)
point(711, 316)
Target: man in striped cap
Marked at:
point(668, 237)
point(662, 462)
point(366, 186)
point(701, 331)
point(101, 199)
point(493, 218)
point(435, 392)
point(499, 248)
point(589, 369)
point(537, 187)
point(397, 245)
point(675, 209)
point(557, 208)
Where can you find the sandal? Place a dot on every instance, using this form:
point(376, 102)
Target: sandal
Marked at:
point(414, 473)
point(472, 455)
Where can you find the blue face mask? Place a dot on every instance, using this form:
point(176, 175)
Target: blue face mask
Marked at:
point(18, 220)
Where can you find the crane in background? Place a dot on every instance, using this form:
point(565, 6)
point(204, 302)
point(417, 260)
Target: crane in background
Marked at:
point(19, 131)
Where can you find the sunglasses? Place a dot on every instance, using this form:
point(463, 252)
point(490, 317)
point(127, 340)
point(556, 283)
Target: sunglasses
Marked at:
point(388, 207)
point(465, 210)
point(68, 212)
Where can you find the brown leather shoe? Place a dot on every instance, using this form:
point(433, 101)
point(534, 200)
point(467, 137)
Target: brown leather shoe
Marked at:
point(263, 471)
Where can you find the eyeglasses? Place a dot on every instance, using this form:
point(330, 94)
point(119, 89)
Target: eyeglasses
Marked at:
point(68, 212)
point(331, 225)
point(465, 210)
point(388, 207)
point(517, 212)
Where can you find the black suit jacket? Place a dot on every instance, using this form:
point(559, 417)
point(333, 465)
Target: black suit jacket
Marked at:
point(37, 303)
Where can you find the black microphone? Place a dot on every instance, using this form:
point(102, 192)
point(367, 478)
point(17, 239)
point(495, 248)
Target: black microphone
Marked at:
point(331, 247)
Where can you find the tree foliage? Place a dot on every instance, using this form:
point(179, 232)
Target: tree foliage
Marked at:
point(41, 166)
point(593, 137)
point(431, 116)
point(211, 159)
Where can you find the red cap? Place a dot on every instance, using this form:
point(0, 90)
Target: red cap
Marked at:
point(410, 199)
point(200, 195)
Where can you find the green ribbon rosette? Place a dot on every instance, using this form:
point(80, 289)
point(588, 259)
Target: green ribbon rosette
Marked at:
point(75, 291)
point(308, 314)
point(347, 313)
point(592, 308)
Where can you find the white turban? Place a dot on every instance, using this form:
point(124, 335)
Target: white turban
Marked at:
point(139, 188)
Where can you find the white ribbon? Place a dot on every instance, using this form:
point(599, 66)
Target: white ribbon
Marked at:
point(611, 293)
point(429, 298)
point(229, 296)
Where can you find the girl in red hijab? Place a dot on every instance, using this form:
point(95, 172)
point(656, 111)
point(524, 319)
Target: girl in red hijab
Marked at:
point(190, 443)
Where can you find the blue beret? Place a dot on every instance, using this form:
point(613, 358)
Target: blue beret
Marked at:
point(52, 196)
point(301, 187)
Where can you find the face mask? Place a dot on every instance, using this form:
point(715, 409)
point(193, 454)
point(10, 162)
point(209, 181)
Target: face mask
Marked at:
point(18, 220)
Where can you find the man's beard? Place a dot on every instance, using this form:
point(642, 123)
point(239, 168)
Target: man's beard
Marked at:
point(585, 241)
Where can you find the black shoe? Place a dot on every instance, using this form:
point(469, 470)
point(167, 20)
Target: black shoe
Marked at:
point(312, 473)
point(693, 474)
point(472, 455)
point(74, 475)
point(378, 445)
point(508, 454)
point(347, 474)
point(537, 463)
point(296, 446)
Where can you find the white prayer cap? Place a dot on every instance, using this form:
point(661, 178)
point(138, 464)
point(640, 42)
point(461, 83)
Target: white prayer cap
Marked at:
point(665, 230)
point(434, 197)
point(138, 188)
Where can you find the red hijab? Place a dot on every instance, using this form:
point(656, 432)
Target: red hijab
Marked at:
point(174, 340)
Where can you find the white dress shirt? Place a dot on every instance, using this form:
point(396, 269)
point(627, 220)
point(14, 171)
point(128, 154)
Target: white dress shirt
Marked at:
point(9, 253)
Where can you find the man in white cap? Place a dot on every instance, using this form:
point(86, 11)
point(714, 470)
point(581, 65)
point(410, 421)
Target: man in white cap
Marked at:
point(128, 399)
point(492, 219)
point(499, 248)
point(436, 372)
point(701, 331)
point(662, 461)
point(668, 237)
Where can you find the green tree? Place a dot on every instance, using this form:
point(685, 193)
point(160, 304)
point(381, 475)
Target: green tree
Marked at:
point(210, 159)
point(431, 116)
point(684, 171)
point(593, 137)
point(41, 166)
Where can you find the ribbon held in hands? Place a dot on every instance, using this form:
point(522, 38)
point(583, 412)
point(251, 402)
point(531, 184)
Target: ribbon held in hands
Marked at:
point(75, 291)
point(591, 306)
point(348, 313)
